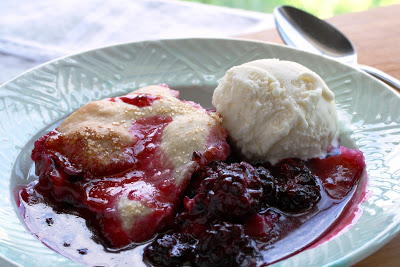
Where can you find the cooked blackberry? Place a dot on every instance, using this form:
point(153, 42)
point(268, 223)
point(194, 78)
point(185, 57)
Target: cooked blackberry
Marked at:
point(226, 191)
point(291, 187)
point(226, 244)
point(174, 249)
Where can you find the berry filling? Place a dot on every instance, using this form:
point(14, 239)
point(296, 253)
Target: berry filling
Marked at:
point(339, 173)
point(96, 197)
point(171, 250)
point(134, 182)
point(120, 166)
point(291, 187)
point(221, 190)
point(234, 212)
point(140, 100)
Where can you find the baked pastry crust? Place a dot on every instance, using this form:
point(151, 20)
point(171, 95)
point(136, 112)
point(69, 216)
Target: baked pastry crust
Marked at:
point(127, 159)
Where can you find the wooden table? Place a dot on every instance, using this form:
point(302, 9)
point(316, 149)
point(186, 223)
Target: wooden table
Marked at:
point(376, 35)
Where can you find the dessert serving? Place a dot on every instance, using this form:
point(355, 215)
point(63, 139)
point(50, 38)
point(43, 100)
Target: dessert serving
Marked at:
point(120, 163)
point(163, 178)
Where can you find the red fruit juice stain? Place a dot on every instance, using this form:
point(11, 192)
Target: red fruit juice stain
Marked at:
point(341, 179)
point(139, 100)
point(95, 198)
point(349, 215)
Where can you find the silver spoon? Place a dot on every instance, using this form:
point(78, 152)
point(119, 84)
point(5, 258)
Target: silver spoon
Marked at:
point(302, 30)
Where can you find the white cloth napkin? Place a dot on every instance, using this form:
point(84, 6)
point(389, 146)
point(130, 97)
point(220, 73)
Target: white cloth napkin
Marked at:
point(33, 32)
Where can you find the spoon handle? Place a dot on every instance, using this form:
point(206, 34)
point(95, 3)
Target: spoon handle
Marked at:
point(386, 78)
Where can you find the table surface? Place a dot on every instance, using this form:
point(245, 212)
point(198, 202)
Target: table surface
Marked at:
point(376, 35)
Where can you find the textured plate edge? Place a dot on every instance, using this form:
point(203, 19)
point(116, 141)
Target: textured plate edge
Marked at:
point(198, 38)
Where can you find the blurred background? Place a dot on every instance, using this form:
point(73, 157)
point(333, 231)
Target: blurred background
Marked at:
point(33, 32)
point(320, 8)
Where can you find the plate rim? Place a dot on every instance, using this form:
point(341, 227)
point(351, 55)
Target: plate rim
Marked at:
point(235, 39)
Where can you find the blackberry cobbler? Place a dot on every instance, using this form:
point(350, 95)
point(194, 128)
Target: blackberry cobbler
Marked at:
point(155, 175)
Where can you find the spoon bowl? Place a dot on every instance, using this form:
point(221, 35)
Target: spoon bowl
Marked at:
point(302, 30)
point(307, 32)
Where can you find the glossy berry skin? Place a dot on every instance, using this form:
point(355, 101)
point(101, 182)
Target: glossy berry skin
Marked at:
point(173, 249)
point(291, 187)
point(223, 191)
point(265, 226)
point(226, 244)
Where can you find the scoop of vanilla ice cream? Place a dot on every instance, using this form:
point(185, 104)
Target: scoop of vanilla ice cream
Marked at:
point(275, 109)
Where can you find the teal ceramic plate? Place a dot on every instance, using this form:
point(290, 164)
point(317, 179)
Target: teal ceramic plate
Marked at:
point(36, 100)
